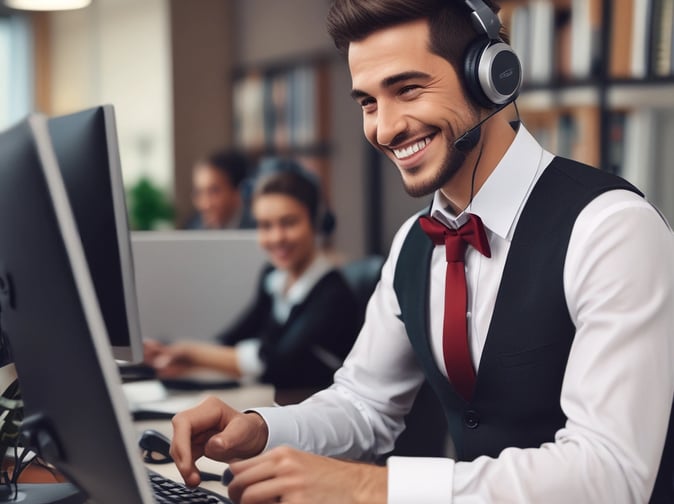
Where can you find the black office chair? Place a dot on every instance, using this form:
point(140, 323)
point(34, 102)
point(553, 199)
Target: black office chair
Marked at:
point(425, 434)
point(362, 276)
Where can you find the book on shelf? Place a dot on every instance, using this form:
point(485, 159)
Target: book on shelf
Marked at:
point(663, 196)
point(586, 16)
point(279, 110)
point(620, 51)
point(248, 108)
point(562, 44)
point(641, 25)
point(542, 37)
point(660, 48)
point(276, 111)
point(616, 141)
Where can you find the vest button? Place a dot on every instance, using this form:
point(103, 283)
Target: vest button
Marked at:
point(471, 419)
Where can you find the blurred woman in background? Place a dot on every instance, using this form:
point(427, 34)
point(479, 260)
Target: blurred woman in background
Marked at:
point(304, 318)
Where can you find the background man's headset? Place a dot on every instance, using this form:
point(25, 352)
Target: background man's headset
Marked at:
point(492, 70)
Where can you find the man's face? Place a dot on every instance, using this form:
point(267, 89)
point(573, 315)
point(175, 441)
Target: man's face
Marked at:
point(213, 196)
point(414, 107)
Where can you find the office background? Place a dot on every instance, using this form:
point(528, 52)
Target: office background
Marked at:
point(168, 68)
point(173, 67)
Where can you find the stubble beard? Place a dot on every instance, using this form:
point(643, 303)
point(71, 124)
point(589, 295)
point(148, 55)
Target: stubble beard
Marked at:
point(452, 163)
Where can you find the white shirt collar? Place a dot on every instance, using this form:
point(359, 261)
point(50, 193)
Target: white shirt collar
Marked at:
point(501, 198)
point(283, 301)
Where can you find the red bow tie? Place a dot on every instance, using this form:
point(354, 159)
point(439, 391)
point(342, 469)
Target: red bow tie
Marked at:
point(455, 347)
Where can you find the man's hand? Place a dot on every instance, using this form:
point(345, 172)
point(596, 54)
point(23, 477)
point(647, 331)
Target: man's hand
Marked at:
point(288, 475)
point(214, 429)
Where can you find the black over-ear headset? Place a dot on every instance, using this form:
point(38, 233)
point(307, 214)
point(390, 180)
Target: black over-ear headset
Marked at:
point(492, 70)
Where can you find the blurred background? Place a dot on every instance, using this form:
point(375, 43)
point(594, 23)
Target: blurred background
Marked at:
point(189, 76)
point(170, 68)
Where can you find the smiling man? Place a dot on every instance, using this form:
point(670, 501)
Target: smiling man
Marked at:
point(535, 295)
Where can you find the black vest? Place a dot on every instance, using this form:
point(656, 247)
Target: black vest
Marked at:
point(519, 381)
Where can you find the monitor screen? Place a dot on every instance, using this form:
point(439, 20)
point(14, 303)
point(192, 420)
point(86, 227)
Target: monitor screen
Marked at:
point(69, 380)
point(86, 148)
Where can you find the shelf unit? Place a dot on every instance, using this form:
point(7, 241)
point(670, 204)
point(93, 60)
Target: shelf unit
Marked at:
point(594, 72)
point(282, 108)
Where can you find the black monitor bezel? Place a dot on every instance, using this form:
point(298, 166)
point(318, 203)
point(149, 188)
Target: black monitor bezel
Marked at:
point(67, 373)
point(87, 151)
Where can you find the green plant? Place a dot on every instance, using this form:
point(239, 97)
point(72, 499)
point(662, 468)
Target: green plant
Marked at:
point(149, 206)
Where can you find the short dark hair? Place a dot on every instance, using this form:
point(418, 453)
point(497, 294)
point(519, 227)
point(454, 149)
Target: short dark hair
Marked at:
point(287, 177)
point(451, 30)
point(231, 162)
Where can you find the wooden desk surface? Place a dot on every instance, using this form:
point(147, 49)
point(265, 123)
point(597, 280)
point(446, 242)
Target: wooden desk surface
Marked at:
point(241, 398)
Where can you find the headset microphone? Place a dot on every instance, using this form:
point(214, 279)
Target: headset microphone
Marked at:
point(470, 138)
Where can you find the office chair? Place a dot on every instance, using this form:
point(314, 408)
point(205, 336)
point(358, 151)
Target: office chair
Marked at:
point(362, 276)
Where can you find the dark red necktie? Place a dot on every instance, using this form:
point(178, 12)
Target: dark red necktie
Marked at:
point(455, 328)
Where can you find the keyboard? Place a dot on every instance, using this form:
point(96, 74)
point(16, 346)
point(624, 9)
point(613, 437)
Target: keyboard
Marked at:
point(167, 491)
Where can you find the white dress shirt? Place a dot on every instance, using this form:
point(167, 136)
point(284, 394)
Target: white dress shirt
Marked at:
point(618, 385)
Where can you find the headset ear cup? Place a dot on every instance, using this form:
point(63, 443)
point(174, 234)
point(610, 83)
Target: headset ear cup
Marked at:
point(493, 73)
point(327, 223)
point(471, 72)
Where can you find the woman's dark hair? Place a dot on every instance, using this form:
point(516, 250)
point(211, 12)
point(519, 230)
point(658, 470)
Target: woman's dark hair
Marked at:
point(451, 30)
point(285, 176)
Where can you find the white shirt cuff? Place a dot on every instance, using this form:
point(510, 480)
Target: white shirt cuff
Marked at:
point(282, 431)
point(248, 358)
point(415, 479)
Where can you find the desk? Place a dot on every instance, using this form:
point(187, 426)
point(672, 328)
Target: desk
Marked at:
point(241, 398)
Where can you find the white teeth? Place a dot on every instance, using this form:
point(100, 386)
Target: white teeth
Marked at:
point(408, 151)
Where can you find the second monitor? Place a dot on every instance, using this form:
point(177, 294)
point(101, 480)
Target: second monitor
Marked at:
point(87, 151)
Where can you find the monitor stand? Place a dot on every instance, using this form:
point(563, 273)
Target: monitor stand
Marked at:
point(40, 437)
point(35, 493)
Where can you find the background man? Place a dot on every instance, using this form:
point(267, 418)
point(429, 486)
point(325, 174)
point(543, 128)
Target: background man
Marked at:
point(217, 192)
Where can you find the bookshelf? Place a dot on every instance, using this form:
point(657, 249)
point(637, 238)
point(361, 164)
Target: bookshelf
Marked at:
point(282, 109)
point(599, 83)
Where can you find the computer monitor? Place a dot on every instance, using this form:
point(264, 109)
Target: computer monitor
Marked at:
point(194, 284)
point(69, 380)
point(87, 151)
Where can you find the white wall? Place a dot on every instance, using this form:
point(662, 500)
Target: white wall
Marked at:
point(117, 51)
